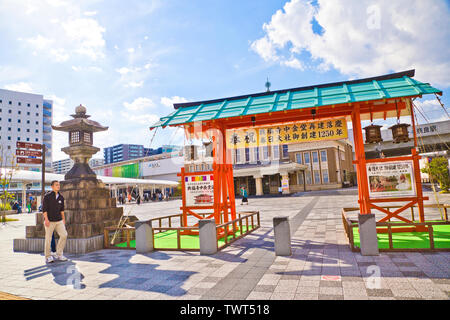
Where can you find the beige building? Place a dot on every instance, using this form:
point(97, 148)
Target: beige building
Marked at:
point(293, 167)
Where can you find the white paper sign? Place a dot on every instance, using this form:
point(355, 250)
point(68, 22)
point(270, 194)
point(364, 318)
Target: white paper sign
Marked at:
point(199, 190)
point(391, 179)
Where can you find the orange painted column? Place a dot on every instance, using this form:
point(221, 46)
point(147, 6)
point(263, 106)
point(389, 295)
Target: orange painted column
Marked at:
point(363, 188)
point(416, 164)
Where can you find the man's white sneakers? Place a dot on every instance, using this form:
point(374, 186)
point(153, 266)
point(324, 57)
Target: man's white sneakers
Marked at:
point(49, 259)
point(61, 258)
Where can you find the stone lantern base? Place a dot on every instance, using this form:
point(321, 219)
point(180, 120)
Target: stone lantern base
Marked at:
point(88, 210)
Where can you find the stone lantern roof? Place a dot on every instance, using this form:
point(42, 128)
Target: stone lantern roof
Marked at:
point(80, 122)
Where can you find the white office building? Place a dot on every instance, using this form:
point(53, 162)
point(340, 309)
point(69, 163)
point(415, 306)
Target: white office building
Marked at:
point(63, 166)
point(25, 117)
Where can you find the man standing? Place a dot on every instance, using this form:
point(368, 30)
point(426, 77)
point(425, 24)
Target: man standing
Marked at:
point(53, 211)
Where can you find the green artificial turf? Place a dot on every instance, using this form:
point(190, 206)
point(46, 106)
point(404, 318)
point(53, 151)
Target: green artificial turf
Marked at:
point(168, 240)
point(411, 240)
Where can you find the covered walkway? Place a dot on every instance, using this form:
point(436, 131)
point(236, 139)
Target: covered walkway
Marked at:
point(114, 183)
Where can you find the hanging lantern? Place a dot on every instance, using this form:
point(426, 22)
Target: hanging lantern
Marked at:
point(373, 134)
point(400, 132)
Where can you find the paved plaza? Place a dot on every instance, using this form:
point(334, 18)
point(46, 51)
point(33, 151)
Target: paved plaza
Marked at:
point(321, 266)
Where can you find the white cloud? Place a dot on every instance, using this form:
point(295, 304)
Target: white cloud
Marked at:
point(134, 84)
point(168, 102)
point(125, 70)
point(86, 36)
point(39, 42)
point(144, 119)
point(366, 38)
point(20, 86)
point(68, 31)
point(139, 104)
point(90, 13)
point(293, 63)
point(130, 50)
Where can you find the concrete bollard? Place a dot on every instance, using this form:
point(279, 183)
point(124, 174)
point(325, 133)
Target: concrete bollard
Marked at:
point(144, 237)
point(208, 237)
point(368, 234)
point(282, 236)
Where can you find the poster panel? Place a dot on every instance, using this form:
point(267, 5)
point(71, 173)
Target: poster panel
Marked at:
point(199, 190)
point(391, 179)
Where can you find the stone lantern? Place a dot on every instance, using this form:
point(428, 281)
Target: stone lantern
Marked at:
point(373, 134)
point(89, 207)
point(80, 148)
point(400, 132)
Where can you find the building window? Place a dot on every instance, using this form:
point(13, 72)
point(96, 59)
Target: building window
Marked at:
point(37, 106)
point(285, 151)
point(315, 157)
point(307, 158)
point(9, 120)
point(28, 139)
point(18, 129)
point(275, 152)
point(37, 139)
point(9, 129)
point(37, 131)
point(9, 138)
point(9, 111)
point(28, 121)
point(37, 114)
point(308, 177)
point(20, 112)
point(247, 155)
point(298, 158)
point(28, 130)
point(323, 156)
point(19, 121)
point(265, 153)
point(20, 103)
point(18, 138)
point(10, 102)
point(28, 104)
point(237, 156)
point(325, 176)
point(316, 177)
point(300, 178)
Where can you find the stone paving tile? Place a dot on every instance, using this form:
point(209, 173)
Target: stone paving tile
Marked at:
point(257, 295)
point(330, 297)
point(379, 293)
point(306, 296)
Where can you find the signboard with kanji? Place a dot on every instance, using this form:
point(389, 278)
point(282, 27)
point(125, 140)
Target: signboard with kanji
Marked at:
point(28, 153)
point(28, 160)
point(199, 190)
point(391, 179)
point(332, 129)
point(28, 145)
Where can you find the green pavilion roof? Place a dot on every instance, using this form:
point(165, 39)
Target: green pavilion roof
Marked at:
point(383, 87)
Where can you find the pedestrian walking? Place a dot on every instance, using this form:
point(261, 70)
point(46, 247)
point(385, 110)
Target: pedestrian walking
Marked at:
point(138, 199)
point(244, 195)
point(54, 220)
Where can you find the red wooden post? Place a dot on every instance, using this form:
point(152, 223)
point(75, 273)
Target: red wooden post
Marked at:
point(363, 189)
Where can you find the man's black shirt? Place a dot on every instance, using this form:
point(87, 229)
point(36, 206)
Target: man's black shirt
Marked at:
point(53, 206)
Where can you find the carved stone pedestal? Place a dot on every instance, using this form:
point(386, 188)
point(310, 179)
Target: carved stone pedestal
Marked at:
point(88, 209)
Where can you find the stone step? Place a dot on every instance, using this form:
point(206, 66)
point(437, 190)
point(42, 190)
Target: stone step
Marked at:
point(79, 246)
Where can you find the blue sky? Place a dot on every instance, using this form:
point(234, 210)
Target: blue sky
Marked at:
point(128, 61)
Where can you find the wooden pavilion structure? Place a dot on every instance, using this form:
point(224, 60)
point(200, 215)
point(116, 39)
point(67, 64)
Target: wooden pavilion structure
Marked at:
point(382, 97)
